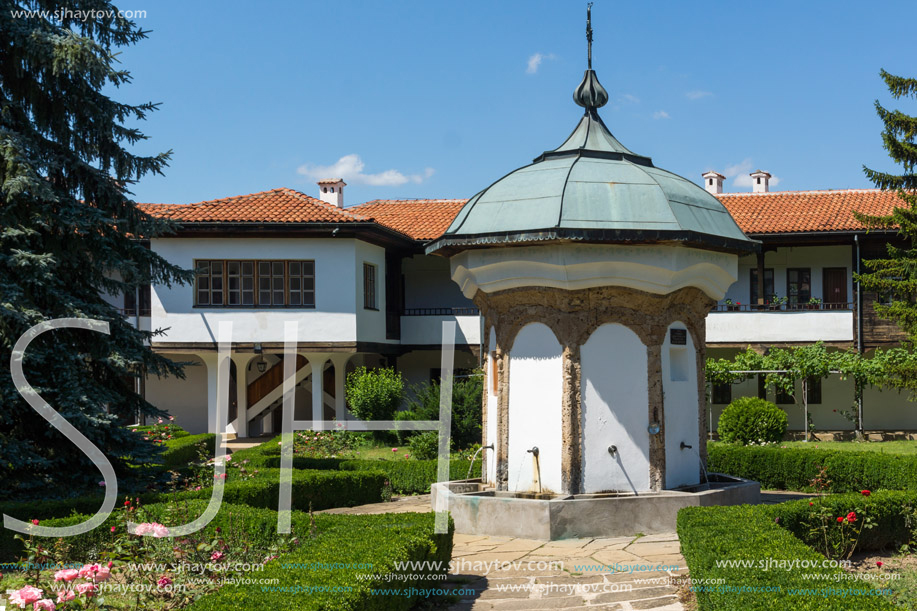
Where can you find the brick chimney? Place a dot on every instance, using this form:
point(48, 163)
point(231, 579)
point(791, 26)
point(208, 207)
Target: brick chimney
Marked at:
point(713, 182)
point(759, 181)
point(331, 190)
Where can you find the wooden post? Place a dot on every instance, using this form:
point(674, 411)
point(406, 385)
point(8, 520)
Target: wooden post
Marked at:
point(761, 296)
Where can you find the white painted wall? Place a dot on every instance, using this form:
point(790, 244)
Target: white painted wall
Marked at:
point(186, 399)
point(339, 289)
point(780, 326)
point(679, 387)
point(614, 403)
point(370, 323)
point(535, 394)
point(490, 424)
point(429, 329)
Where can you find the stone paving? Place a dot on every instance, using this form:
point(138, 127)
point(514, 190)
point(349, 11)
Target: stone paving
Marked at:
point(502, 573)
point(494, 573)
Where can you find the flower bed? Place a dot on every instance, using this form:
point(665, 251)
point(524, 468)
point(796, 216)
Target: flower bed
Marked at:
point(775, 542)
point(129, 571)
point(795, 468)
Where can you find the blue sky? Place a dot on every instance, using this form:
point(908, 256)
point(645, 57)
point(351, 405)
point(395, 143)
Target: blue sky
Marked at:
point(439, 99)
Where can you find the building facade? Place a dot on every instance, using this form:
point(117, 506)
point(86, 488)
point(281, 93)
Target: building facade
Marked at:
point(364, 293)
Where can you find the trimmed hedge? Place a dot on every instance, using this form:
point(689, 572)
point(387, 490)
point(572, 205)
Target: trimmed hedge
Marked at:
point(749, 420)
point(795, 468)
point(343, 540)
point(763, 536)
point(180, 451)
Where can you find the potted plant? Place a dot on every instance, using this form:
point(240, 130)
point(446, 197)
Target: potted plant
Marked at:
point(777, 303)
point(731, 306)
point(814, 303)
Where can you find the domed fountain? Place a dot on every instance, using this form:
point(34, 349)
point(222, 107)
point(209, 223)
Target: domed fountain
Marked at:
point(594, 271)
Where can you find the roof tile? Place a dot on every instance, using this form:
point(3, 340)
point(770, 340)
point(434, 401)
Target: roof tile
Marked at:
point(422, 219)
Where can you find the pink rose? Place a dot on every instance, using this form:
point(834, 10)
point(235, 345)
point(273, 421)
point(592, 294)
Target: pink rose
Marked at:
point(65, 595)
point(66, 575)
point(24, 596)
point(152, 528)
point(216, 556)
point(45, 603)
point(394, 449)
point(86, 589)
point(164, 581)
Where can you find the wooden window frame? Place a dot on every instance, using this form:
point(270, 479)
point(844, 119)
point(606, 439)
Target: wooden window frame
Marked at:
point(799, 300)
point(370, 287)
point(256, 277)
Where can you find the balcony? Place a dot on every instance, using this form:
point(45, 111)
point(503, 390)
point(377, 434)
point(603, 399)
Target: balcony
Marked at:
point(772, 323)
point(423, 326)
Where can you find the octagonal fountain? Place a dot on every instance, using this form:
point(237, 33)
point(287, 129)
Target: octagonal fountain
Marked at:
point(594, 271)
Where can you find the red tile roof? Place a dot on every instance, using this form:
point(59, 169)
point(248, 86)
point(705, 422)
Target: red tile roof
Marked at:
point(806, 211)
point(274, 206)
point(422, 219)
point(428, 219)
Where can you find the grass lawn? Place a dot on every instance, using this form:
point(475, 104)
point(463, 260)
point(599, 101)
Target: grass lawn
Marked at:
point(887, 447)
point(381, 453)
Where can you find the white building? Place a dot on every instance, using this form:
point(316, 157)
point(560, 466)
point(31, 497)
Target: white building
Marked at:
point(363, 292)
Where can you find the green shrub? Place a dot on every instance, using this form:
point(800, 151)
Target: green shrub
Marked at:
point(750, 420)
point(178, 452)
point(404, 436)
point(425, 446)
point(467, 401)
point(755, 536)
point(374, 394)
point(794, 468)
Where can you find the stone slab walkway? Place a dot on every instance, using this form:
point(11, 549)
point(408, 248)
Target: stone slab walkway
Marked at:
point(509, 574)
point(620, 573)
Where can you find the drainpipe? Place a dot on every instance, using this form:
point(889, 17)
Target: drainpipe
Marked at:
point(859, 323)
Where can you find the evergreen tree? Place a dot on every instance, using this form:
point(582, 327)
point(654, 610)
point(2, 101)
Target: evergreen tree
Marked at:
point(69, 234)
point(896, 274)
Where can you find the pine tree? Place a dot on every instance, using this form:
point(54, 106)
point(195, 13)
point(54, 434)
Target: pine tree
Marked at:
point(896, 274)
point(69, 234)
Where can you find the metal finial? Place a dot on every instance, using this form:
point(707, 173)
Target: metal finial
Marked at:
point(590, 94)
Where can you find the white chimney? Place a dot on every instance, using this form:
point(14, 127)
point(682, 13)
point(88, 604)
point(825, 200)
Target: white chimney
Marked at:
point(759, 181)
point(331, 190)
point(713, 182)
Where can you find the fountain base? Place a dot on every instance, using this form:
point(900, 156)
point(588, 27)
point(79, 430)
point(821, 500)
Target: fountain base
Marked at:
point(479, 510)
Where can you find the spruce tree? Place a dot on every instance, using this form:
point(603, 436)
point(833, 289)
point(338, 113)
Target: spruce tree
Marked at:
point(895, 274)
point(70, 234)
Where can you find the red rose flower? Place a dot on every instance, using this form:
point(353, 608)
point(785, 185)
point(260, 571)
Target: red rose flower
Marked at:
point(865, 492)
point(851, 517)
point(879, 563)
point(840, 519)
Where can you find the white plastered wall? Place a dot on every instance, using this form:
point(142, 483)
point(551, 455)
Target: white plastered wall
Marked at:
point(679, 387)
point(614, 391)
point(535, 396)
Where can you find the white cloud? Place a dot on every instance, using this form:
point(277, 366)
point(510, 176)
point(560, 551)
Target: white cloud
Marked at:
point(630, 98)
point(350, 168)
point(535, 62)
point(697, 94)
point(661, 114)
point(740, 174)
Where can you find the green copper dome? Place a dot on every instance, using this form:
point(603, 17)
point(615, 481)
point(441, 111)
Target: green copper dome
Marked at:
point(592, 189)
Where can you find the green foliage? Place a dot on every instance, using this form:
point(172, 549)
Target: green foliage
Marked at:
point(794, 468)
point(68, 238)
point(424, 446)
point(374, 394)
point(405, 416)
point(762, 534)
point(180, 451)
point(325, 444)
point(751, 421)
point(345, 542)
point(467, 401)
point(413, 476)
point(896, 274)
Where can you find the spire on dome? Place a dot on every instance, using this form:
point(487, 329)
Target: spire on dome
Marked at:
point(590, 94)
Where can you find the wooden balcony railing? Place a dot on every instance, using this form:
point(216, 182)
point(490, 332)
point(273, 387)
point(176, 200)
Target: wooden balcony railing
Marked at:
point(782, 307)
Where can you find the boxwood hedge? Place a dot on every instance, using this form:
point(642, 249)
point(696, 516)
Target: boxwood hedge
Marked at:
point(180, 451)
point(769, 538)
point(795, 468)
